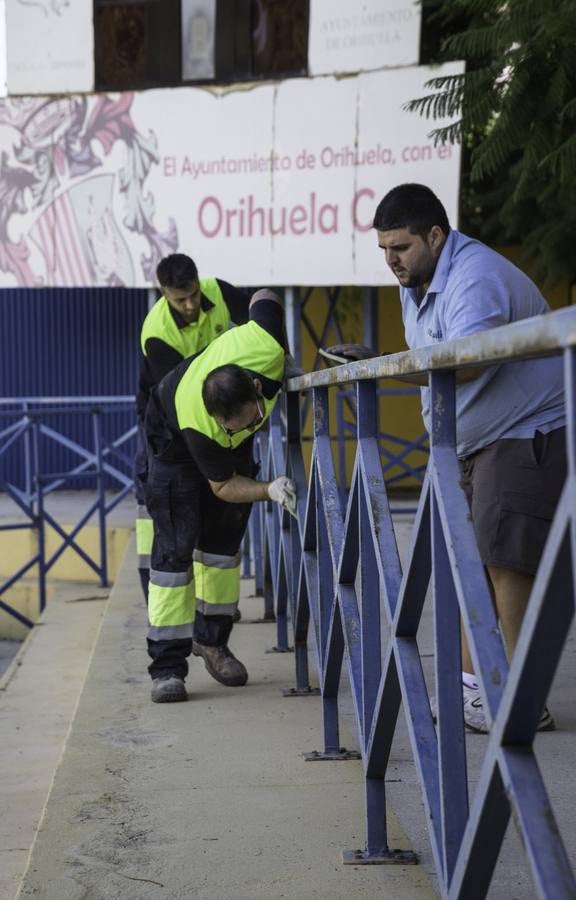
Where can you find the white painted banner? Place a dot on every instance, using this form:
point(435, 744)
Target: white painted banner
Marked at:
point(268, 185)
point(50, 46)
point(3, 87)
point(358, 35)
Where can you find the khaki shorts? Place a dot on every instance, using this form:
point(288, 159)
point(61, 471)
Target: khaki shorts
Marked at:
point(513, 487)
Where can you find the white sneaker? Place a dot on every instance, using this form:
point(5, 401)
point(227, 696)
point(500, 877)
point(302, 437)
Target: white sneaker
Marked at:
point(475, 720)
point(473, 711)
point(474, 717)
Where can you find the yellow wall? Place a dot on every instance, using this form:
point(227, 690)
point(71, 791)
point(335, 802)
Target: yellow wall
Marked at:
point(18, 547)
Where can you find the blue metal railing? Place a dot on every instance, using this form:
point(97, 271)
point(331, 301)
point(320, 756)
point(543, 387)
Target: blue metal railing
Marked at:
point(396, 452)
point(106, 461)
point(324, 569)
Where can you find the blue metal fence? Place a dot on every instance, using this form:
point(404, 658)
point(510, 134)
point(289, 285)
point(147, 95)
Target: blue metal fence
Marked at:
point(323, 571)
point(27, 428)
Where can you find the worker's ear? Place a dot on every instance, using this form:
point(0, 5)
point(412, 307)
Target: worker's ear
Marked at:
point(436, 238)
point(258, 386)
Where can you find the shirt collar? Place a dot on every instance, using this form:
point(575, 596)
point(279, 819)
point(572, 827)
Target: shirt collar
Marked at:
point(442, 269)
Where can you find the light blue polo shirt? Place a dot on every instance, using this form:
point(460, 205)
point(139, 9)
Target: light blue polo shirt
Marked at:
point(474, 289)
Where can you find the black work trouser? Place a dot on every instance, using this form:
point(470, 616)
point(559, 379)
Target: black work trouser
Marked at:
point(187, 516)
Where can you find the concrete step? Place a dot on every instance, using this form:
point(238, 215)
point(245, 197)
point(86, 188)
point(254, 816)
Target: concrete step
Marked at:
point(38, 697)
point(209, 799)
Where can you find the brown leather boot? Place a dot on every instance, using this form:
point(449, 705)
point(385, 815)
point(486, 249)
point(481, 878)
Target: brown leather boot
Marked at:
point(222, 665)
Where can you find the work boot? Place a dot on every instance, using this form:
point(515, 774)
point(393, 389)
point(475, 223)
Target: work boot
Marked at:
point(237, 615)
point(222, 665)
point(168, 690)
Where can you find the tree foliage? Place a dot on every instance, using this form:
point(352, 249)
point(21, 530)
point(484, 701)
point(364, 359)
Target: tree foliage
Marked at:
point(514, 111)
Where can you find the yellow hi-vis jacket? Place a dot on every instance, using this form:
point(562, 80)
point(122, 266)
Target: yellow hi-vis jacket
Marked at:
point(194, 337)
point(249, 346)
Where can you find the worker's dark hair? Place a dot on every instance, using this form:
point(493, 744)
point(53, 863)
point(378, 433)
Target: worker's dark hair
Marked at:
point(176, 271)
point(411, 206)
point(226, 389)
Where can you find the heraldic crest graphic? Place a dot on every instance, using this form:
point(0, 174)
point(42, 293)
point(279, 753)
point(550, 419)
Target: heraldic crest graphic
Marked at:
point(58, 204)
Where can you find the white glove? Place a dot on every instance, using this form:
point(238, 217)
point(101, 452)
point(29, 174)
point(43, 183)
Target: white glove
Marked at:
point(283, 491)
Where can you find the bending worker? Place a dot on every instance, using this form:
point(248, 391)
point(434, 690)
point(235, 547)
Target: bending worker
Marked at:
point(200, 423)
point(189, 315)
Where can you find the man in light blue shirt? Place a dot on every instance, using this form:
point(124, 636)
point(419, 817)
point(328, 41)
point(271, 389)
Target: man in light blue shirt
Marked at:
point(473, 289)
point(509, 418)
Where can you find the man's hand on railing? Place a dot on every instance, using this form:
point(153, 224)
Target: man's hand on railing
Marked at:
point(283, 491)
point(338, 354)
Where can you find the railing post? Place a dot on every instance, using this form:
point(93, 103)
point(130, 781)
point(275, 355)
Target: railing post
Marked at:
point(370, 626)
point(570, 386)
point(100, 475)
point(448, 660)
point(38, 519)
point(341, 433)
point(369, 599)
point(296, 470)
point(325, 571)
point(28, 478)
point(570, 394)
point(292, 306)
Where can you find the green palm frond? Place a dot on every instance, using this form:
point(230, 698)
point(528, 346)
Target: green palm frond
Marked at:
point(561, 162)
point(449, 134)
point(514, 112)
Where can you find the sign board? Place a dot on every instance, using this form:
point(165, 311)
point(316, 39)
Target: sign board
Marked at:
point(50, 46)
point(3, 88)
point(346, 36)
point(269, 185)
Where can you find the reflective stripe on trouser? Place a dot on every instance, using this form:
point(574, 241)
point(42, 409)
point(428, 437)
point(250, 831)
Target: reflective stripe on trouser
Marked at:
point(144, 537)
point(171, 606)
point(188, 516)
point(217, 580)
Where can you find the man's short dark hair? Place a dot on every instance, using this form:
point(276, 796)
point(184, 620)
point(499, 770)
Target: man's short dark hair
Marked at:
point(411, 206)
point(176, 271)
point(226, 389)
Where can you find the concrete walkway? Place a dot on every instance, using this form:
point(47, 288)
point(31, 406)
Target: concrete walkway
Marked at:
point(210, 799)
point(39, 694)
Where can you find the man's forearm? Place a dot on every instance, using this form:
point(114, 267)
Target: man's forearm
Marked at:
point(240, 489)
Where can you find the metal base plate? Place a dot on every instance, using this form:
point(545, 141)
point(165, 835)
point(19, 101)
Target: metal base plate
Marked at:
point(301, 692)
point(390, 858)
point(336, 755)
